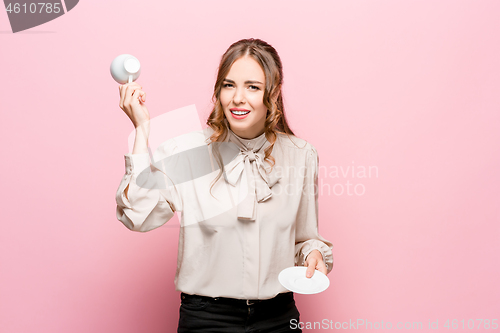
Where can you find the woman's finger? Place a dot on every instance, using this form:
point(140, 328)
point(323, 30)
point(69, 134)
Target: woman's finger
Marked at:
point(321, 266)
point(311, 265)
point(129, 94)
point(142, 96)
point(128, 89)
point(138, 94)
point(122, 96)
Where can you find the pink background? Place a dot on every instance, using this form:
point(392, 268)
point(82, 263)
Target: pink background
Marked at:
point(410, 87)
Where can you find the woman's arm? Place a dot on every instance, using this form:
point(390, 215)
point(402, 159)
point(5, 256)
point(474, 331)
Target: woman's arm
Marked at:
point(307, 237)
point(144, 199)
point(140, 143)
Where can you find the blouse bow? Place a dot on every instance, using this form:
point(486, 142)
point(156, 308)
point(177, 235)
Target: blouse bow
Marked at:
point(259, 180)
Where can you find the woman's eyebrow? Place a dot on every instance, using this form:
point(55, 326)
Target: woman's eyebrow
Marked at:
point(246, 82)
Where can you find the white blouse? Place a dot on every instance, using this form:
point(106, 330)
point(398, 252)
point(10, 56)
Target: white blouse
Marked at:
point(255, 222)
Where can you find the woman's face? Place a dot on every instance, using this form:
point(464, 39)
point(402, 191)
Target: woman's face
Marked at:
point(243, 92)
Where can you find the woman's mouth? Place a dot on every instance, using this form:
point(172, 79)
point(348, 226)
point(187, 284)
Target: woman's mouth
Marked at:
point(239, 113)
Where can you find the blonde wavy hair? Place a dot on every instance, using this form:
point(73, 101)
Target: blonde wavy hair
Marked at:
point(270, 62)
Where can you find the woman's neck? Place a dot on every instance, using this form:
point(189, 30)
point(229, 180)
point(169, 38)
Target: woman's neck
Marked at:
point(248, 135)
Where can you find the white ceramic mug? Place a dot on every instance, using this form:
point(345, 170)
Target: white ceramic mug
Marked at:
point(125, 68)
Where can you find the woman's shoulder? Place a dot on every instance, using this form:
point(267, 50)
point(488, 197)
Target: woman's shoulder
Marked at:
point(182, 142)
point(286, 141)
point(290, 141)
point(192, 139)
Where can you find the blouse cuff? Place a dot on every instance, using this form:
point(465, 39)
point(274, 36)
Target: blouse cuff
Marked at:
point(314, 244)
point(136, 163)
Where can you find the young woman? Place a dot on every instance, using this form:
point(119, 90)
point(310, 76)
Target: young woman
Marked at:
point(240, 230)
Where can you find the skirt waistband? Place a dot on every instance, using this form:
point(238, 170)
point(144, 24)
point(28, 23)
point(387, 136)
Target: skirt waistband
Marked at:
point(282, 297)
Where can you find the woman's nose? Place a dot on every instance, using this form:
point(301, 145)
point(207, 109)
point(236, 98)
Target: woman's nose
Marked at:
point(238, 96)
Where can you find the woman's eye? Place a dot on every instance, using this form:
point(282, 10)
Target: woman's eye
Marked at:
point(254, 87)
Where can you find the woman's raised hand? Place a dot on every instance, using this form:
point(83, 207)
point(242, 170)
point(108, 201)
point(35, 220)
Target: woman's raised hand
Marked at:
point(131, 102)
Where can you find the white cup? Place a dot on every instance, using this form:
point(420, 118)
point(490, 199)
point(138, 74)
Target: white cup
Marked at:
point(125, 68)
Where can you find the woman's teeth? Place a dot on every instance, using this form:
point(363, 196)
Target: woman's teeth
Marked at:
point(240, 113)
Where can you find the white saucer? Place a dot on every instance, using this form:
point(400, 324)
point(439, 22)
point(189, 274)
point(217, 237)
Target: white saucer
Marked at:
point(294, 279)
